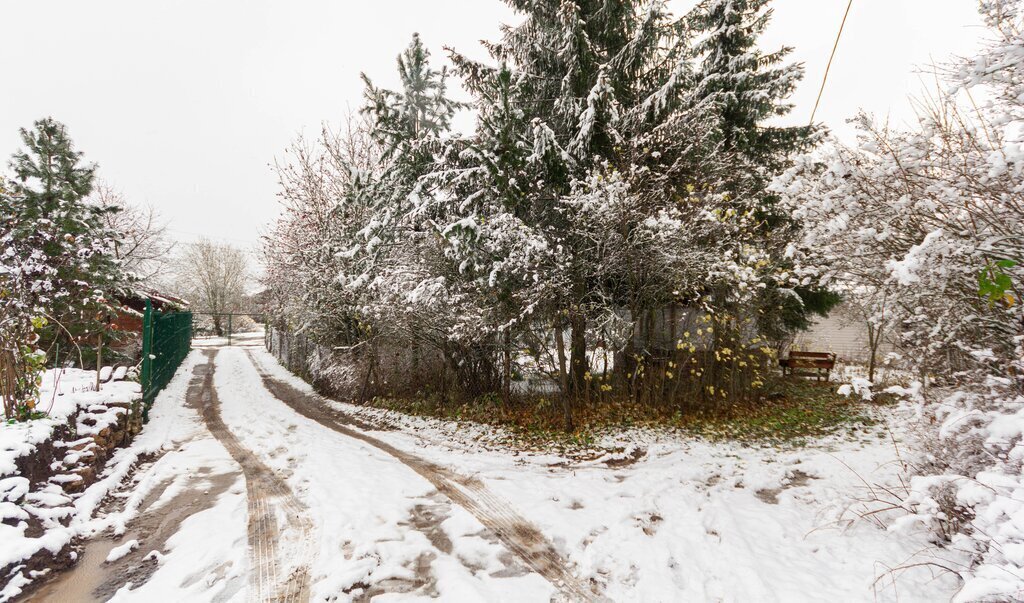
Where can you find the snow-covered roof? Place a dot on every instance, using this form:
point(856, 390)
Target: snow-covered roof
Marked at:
point(158, 299)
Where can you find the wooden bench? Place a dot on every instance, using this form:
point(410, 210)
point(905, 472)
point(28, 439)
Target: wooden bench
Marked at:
point(808, 364)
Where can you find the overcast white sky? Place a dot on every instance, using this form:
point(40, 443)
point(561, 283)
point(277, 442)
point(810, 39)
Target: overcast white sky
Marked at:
point(185, 104)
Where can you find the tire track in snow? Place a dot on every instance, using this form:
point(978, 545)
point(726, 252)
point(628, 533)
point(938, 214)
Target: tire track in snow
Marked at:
point(517, 534)
point(266, 492)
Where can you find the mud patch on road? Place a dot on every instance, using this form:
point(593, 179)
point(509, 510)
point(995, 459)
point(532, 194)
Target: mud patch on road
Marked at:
point(94, 579)
point(422, 584)
point(427, 519)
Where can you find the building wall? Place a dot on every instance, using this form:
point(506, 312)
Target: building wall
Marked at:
point(841, 334)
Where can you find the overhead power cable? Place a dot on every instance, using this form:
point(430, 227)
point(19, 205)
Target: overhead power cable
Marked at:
point(830, 57)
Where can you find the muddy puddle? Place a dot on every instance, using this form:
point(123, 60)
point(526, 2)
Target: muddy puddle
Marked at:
point(93, 579)
point(794, 479)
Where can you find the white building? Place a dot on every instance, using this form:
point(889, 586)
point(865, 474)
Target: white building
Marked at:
point(844, 334)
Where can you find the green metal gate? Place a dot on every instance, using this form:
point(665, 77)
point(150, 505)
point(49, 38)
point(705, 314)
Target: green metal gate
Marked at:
point(166, 339)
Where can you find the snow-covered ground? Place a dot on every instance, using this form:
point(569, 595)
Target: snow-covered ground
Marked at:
point(69, 397)
point(63, 393)
point(701, 521)
point(297, 507)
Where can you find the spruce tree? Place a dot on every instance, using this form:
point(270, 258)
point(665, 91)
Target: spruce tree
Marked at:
point(584, 90)
point(48, 205)
point(747, 88)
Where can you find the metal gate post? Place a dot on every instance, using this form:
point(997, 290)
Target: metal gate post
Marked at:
point(147, 358)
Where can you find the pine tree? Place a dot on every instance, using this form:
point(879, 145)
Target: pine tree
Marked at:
point(388, 259)
point(420, 111)
point(747, 88)
point(408, 124)
point(584, 91)
point(48, 205)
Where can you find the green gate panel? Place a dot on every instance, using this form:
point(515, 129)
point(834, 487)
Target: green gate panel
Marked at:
point(166, 340)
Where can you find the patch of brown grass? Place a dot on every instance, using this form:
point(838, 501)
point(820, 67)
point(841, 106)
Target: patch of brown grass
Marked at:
point(790, 410)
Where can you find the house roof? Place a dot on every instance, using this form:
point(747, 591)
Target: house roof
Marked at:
point(135, 299)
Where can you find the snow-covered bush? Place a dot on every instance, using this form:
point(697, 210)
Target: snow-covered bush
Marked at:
point(24, 282)
point(309, 248)
point(916, 219)
point(965, 484)
point(926, 228)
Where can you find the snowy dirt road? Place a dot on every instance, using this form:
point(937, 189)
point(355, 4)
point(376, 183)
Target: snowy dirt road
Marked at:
point(272, 493)
point(270, 502)
point(513, 530)
point(276, 514)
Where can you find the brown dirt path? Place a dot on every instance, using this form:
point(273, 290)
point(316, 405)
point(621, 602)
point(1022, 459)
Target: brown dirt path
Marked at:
point(514, 531)
point(93, 579)
point(267, 493)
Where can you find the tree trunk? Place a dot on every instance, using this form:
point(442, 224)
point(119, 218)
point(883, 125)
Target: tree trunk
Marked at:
point(506, 388)
point(874, 340)
point(625, 364)
point(366, 380)
point(563, 378)
point(444, 375)
point(7, 381)
point(650, 343)
point(718, 326)
point(417, 379)
point(578, 364)
point(99, 358)
point(672, 320)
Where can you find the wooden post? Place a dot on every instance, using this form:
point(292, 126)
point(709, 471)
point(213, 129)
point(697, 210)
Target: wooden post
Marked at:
point(99, 357)
point(563, 378)
point(506, 390)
